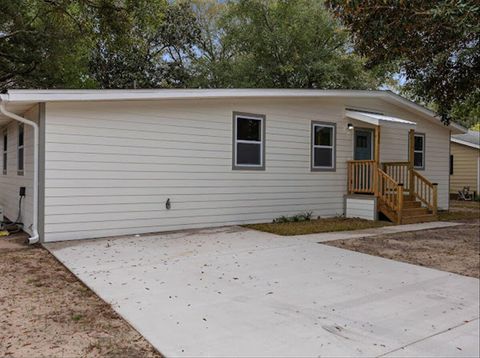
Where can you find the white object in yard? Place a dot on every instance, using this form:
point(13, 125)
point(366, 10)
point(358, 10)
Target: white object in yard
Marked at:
point(361, 206)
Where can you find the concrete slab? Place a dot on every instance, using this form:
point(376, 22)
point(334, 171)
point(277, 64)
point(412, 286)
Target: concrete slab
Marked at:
point(238, 292)
point(434, 346)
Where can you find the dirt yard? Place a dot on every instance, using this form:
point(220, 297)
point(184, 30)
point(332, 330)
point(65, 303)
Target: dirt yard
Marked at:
point(454, 249)
point(46, 312)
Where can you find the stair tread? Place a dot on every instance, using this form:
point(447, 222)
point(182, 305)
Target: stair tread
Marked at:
point(412, 209)
point(418, 218)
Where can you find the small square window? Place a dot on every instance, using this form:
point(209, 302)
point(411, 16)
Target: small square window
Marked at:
point(418, 160)
point(323, 157)
point(323, 135)
point(418, 143)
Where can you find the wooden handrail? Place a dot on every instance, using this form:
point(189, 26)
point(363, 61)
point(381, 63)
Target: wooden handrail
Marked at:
point(361, 161)
point(425, 191)
point(390, 193)
point(395, 163)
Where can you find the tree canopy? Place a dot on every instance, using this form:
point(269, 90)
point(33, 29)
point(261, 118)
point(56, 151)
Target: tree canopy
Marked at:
point(158, 43)
point(288, 44)
point(435, 44)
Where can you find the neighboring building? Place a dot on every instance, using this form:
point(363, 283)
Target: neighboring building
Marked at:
point(465, 162)
point(115, 162)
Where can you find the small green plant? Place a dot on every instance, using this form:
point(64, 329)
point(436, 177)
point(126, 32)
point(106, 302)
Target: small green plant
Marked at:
point(77, 317)
point(306, 216)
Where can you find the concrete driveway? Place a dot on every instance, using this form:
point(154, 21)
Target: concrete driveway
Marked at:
point(237, 292)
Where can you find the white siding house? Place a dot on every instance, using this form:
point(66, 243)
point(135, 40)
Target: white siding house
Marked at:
point(125, 162)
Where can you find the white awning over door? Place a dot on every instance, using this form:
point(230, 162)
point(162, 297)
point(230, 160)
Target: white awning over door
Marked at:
point(379, 119)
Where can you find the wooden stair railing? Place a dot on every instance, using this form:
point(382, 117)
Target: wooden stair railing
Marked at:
point(425, 191)
point(390, 186)
point(400, 172)
point(390, 196)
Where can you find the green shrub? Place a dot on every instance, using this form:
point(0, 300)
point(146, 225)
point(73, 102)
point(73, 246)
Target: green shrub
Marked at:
point(306, 216)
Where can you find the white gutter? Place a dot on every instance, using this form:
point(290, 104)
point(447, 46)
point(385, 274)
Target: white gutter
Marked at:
point(3, 99)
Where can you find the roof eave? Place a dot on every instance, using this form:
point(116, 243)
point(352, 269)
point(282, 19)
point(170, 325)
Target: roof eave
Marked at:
point(61, 95)
point(465, 143)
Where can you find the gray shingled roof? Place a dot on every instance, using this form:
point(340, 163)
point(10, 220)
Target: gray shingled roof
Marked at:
point(470, 137)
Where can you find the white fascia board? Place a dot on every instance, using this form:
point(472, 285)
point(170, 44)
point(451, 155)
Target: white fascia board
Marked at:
point(115, 95)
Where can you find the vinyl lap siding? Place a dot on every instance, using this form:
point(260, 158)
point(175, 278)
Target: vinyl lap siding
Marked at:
point(110, 167)
point(360, 208)
point(10, 184)
point(465, 168)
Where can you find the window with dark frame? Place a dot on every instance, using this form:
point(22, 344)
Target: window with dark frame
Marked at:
point(249, 141)
point(5, 152)
point(20, 149)
point(419, 151)
point(323, 146)
point(451, 164)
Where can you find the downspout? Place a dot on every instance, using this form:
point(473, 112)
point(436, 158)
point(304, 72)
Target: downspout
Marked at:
point(3, 99)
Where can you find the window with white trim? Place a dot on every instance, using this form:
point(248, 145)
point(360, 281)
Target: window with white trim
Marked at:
point(323, 146)
point(419, 151)
point(20, 149)
point(5, 152)
point(248, 141)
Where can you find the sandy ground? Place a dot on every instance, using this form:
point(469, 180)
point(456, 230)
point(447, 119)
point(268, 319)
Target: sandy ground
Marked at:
point(455, 249)
point(46, 312)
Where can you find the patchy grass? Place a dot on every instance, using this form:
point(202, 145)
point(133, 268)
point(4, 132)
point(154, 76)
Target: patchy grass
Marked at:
point(317, 226)
point(461, 211)
point(457, 215)
point(48, 312)
point(454, 249)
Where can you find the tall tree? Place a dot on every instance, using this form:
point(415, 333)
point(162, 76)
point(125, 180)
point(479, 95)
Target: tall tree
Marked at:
point(434, 43)
point(274, 43)
point(95, 43)
point(291, 44)
point(212, 60)
point(150, 49)
point(39, 41)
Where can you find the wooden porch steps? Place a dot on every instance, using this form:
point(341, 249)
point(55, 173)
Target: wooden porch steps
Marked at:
point(404, 196)
point(412, 212)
